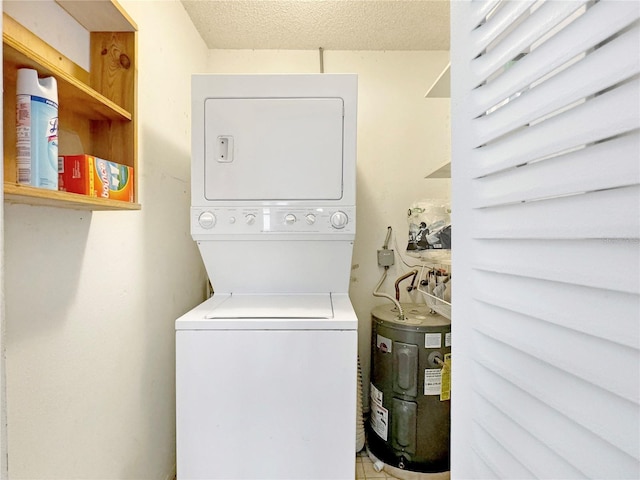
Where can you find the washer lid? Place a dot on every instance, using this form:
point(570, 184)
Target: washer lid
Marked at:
point(326, 311)
point(274, 306)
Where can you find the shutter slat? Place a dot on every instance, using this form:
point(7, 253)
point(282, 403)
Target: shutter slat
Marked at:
point(481, 463)
point(601, 166)
point(483, 434)
point(478, 11)
point(591, 215)
point(562, 391)
point(540, 22)
point(549, 426)
point(583, 309)
point(599, 23)
point(547, 342)
point(502, 20)
point(582, 262)
point(587, 77)
point(581, 125)
point(512, 435)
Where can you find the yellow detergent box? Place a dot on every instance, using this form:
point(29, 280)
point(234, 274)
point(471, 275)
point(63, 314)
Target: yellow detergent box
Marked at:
point(95, 177)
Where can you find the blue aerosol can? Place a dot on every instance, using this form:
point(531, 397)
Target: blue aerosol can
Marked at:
point(37, 130)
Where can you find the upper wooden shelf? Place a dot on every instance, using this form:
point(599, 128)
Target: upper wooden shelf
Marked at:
point(23, 49)
point(441, 88)
point(103, 16)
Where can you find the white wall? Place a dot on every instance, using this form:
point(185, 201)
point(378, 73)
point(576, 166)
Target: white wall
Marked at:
point(401, 137)
point(91, 298)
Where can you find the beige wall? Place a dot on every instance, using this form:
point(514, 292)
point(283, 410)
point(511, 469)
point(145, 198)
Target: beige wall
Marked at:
point(401, 137)
point(91, 298)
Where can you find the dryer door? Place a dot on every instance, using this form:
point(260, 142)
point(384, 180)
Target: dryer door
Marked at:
point(273, 148)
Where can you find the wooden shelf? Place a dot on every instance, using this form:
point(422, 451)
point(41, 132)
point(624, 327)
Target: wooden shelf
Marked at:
point(441, 88)
point(96, 108)
point(443, 171)
point(78, 97)
point(24, 194)
point(103, 16)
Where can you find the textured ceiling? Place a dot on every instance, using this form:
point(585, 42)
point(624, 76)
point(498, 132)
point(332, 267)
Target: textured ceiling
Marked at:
point(332, 25)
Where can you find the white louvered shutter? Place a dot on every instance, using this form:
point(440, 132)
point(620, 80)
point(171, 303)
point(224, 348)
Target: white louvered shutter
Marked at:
point(546, 255)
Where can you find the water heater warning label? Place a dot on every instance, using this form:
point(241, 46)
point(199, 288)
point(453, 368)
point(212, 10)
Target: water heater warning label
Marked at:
point(380, 421)
point(432, 340)
point(379, 415)
point(432, 381)
point(384, 344)
point(445, 392)
point(376, 395)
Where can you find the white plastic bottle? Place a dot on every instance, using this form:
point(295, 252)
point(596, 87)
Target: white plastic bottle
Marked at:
point(37, 130)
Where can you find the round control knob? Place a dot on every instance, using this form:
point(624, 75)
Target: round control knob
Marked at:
point(207, 220)
point(250, 219)
point(290, 219)
point(339, 219)
point(310, 218)
point(232, 220)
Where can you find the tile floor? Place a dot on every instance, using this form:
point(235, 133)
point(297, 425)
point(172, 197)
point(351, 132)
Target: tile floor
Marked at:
point(365, 471)
point(364, 468)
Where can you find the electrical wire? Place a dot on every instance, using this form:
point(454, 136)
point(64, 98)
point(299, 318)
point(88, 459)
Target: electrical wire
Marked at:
point(386, 240)
point(377, 293)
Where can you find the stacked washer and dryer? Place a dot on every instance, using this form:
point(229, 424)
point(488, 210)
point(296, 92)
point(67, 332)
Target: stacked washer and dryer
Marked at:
point(266, 369)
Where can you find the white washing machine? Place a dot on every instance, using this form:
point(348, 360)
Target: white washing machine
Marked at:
point(266, 369)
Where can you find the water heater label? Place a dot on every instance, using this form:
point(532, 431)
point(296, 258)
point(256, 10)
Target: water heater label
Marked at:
point(445, 392)
point(447, 339)
point(376, 395)
point(384, 344)
point(432, 340)
point(380, 421)
point(432, 381)
point(379, 415)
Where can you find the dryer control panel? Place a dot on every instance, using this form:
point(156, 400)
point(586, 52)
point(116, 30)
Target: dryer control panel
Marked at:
point(257, 220)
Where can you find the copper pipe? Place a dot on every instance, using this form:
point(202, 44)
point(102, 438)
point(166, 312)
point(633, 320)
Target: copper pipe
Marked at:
point(406, 275)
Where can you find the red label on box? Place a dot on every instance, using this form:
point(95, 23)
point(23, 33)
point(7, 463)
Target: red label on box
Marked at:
point(95, 177)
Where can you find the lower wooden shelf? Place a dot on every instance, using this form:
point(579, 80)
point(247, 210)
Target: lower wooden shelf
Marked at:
point(15, 193)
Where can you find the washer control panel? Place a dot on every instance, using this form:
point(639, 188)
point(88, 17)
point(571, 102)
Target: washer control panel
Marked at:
point(243, 220)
